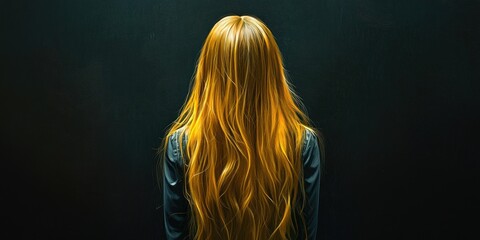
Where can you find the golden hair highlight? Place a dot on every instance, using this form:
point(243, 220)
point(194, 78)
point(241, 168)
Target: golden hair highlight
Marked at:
point(245, 127)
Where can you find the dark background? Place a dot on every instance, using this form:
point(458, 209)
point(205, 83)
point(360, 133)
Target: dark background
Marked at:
point(88, 89)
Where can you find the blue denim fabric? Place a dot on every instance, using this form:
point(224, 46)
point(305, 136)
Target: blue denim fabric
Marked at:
point(176, 208)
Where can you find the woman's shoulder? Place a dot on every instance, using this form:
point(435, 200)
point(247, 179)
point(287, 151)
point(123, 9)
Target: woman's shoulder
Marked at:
point(311, 150)
point(174, 137)
point(310, 138)
point(174, 145)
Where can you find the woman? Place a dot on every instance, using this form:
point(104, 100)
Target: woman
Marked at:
point(242, 161)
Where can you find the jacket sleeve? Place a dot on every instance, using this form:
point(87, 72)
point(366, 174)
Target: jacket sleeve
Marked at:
point(175, 203)
point(312, 173)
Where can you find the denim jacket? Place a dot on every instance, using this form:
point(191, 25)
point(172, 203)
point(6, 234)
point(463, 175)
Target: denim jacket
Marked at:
point(176, 207)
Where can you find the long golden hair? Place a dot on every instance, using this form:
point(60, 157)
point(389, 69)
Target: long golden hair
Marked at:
point(245, 128)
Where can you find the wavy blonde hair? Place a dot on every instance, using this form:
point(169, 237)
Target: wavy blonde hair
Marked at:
point(245, 128)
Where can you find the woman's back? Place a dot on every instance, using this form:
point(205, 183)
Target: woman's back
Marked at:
point(176, 207)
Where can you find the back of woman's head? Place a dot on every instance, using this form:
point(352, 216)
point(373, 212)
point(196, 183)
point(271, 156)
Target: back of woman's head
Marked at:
point(245, 128)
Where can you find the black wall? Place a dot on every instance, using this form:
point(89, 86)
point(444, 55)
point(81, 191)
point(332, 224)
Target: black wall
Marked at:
point(88, 89)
